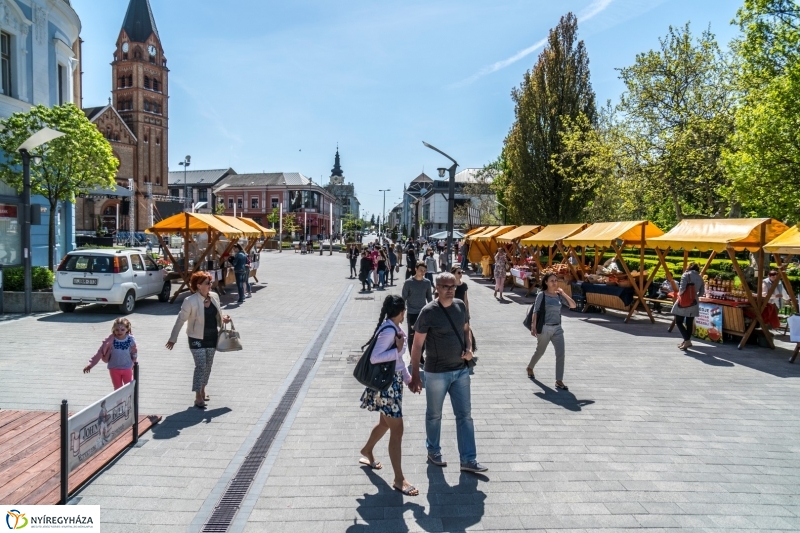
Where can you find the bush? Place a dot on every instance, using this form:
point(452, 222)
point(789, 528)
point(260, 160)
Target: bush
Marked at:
point(14, 278)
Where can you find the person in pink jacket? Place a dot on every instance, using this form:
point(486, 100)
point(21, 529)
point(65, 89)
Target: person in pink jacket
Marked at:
point(390, 346)
point(119, 351)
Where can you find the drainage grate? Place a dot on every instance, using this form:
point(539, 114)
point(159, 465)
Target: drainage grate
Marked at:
point(236, 491)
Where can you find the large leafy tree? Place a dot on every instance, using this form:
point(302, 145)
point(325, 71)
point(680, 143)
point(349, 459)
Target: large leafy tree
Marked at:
point(677, 113)
point(557, 89)
point(76, 163)
point(764, 158)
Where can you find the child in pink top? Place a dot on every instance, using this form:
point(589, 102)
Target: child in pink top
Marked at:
point(119, 351)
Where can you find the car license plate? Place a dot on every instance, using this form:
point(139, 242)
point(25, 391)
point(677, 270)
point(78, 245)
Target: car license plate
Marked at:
point(84, 281)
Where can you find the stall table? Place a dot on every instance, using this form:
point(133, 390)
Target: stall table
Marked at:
point(787, 244)
point(609, 296)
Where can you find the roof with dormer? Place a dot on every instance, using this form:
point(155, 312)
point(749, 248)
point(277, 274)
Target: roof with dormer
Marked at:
point(139, 23)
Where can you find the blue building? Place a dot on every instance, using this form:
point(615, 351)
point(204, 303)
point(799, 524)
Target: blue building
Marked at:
point(40, 55)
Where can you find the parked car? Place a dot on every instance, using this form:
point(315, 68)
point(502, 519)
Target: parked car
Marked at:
point(108, 277)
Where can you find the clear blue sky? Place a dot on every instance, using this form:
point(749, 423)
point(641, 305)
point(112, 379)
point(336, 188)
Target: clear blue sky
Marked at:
point(262, 85)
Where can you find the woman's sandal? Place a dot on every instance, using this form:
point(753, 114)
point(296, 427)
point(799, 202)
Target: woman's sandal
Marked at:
point(375, 465)
point(411, 490)
point(530, 373)
point(562, 386)
point(200, 405)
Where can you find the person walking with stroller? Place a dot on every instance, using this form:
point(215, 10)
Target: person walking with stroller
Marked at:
point(389, 346)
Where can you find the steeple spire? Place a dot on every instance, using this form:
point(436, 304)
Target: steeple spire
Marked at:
point(139, 22)
point(337, 169)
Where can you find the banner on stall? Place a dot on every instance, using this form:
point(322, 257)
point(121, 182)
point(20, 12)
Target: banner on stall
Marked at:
point(708, 324)
point(99, 424)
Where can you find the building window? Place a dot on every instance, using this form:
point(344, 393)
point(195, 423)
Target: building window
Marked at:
point(5, 62)
point(156, 85)
point(158, 141)
point(174, 192)
point(130, 81)
point(230, 202)
point(239, 203)
point(275, 202)
point(62, 84)
point(254, 203)
point(146, 82)
point(158, 181)
point(203, 195)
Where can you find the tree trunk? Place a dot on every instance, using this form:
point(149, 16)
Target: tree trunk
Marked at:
point(676, 202)
point(52, 235)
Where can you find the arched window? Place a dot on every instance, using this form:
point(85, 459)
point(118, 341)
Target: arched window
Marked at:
point(156, 85)
point(158, 141)
point(146, 82)
point(145, 139)
point(130, 81)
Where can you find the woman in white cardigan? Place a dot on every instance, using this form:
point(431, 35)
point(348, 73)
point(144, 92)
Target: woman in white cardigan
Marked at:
point(201, 312)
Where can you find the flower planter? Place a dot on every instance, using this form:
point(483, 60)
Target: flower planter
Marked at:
point(41, 302)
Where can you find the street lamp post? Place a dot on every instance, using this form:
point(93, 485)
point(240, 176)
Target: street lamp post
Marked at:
point(34, 141)
point(451, 199)
point(383, 213)
point(185, 164)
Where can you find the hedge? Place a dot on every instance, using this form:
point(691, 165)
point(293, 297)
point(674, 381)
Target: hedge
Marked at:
point(14, 278)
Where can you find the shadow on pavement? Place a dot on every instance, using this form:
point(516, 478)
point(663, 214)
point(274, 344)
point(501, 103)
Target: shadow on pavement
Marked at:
point(454, 507)
point(562, 398)
point(374, 509)
point(172, 425)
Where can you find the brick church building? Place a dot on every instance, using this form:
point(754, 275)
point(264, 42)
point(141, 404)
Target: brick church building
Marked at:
point(135, 122)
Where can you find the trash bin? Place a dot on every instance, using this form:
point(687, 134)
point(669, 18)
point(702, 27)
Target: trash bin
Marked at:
point(486, 264)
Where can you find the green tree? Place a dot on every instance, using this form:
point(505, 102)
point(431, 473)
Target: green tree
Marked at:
point(76, 163)
point(677, 113)
point(556, 89)
point(764, 156)
point(274, 217)
point(290, 225)
point(372, 220)
point(350, 226)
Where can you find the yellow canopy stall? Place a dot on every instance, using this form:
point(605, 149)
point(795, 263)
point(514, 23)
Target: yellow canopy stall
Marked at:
point(473, 231)
point(550, 237)
point(729, 235)
point(188, 224)
point(787, 243)
point(518, 233)
point(482, 244)
point(617, 236)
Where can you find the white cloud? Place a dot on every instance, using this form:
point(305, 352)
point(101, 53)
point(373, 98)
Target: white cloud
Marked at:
point(594, 9)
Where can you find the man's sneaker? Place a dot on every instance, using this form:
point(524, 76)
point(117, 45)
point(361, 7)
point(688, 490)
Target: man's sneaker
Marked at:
point(437, 459)
point(472, 466)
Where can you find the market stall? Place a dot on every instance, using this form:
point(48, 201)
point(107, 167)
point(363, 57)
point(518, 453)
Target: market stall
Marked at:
point(549, 242)
point(474, 254)
point(485, 244)
point(624, 290)
point(726, 235)
point(520, 275)
point(787, 244)
point(252, 232)
point(266, 233)
point(194, 227)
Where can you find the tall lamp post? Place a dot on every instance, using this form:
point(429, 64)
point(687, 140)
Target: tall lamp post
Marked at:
point(451, 200)
point(185, 164)
point(42, 136)
point(383, 213)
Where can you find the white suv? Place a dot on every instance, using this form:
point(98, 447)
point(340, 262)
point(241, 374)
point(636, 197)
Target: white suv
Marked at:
point(108, 277)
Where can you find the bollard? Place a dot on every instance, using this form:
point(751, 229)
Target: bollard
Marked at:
point(64, 452)
point(135, 402)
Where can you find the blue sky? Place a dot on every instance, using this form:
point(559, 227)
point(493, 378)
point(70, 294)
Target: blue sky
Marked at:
point(262, 85)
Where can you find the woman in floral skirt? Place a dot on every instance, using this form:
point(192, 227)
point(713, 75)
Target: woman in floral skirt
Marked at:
point(389, 346)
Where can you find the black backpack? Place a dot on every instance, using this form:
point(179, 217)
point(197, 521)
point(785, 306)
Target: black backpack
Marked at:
point(377, 377)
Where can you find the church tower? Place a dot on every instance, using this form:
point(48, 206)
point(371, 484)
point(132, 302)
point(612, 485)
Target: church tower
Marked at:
point(140, 96)
point(337, 177)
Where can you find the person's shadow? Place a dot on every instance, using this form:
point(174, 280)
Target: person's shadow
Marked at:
point(172, 425)
point(563, 398)
point(451, 508)
point(372, 508)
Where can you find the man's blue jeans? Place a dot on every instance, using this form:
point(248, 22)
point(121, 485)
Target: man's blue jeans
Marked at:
point(437, 386)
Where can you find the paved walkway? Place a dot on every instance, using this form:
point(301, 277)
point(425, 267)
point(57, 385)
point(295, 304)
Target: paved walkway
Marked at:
point(647, 437)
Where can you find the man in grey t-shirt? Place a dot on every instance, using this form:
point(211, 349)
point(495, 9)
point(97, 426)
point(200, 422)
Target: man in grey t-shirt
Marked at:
point(443, 325)
point(417, 292)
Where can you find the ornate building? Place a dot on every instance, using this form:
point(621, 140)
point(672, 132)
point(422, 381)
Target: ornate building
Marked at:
point(136, 124)
point(345, 194)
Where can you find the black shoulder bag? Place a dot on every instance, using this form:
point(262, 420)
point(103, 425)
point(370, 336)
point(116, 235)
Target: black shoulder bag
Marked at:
point(377, 377)
point(539, 316)
point(472, 362)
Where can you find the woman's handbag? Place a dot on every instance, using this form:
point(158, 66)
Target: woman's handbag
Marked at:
point(687, 298)
point(377, 377)
point(228, 340)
